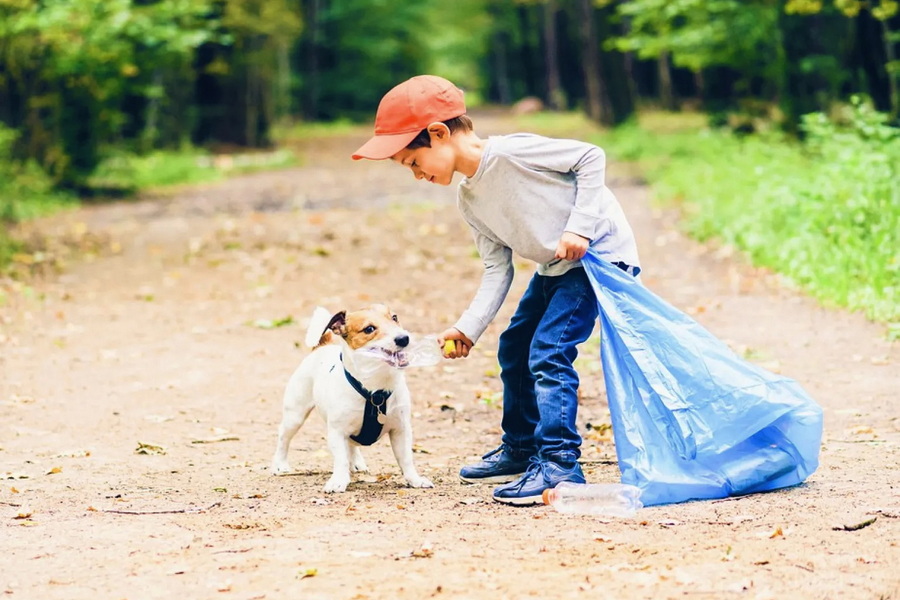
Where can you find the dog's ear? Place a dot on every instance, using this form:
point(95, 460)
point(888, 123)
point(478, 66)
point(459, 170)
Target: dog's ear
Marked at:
point(338, 324)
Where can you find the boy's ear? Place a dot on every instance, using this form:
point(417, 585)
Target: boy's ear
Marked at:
point(438, 131)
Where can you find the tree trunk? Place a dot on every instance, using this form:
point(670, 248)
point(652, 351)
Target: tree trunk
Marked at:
point(555, 99)
point(590, 59)
point(501, 69)
point(616, 92)
point(150, 134)
point(283, 86)
point(310, 61)
point(892, 75)
point(666, 94)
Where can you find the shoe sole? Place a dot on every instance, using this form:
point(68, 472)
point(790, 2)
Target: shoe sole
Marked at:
point(524, 501)
point(494, 479)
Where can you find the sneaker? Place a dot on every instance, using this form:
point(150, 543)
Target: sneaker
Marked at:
point(541, 475)
point(498, 466)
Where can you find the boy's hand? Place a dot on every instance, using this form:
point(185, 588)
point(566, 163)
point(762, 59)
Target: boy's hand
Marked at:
point(459, 342)
point(572, 246)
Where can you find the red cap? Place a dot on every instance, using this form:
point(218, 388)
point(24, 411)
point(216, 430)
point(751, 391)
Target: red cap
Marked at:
point(406, 110)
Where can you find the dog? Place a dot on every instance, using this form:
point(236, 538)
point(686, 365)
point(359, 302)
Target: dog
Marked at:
point(354, 377)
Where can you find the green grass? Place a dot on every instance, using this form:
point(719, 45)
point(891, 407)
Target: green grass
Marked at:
point(165, 168)
point(301, 130)
point(574, 125)
point(825, 213)
point(26, 192)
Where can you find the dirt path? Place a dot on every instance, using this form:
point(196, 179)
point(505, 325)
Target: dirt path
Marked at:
point(152, 342)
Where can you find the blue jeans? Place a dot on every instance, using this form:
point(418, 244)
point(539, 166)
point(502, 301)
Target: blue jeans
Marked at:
point(537, 354)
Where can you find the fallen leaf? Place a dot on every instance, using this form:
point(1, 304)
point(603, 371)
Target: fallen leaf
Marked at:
point(54, 471)
point(777, 533)
point(23, 514)
point(143, 448)
point(308, 573)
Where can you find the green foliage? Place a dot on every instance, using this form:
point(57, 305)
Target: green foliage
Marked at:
point(702, 33)
point(826, 214)
point(367, 47)
point(25, 192)
point(131, 172)
point(72, 64)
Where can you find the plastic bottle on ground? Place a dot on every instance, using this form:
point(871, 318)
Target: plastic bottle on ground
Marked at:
point(608, 499)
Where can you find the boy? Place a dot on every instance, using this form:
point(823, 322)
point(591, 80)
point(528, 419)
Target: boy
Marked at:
point(546, 200)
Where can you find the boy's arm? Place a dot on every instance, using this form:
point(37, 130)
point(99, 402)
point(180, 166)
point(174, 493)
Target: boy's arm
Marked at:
point(495, 283)
point(590, 216)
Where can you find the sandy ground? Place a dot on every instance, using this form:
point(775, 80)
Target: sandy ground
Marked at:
point(139, 401)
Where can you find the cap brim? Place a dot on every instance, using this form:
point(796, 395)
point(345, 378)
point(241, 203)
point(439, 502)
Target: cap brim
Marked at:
point(381, 147)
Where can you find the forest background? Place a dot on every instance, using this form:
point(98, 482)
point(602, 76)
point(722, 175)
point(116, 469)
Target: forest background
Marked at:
point(772, 123)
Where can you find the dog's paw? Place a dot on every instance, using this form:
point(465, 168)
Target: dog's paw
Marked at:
point(281, 468)
point(336, 485)
point(420, 482)
point(359, 468)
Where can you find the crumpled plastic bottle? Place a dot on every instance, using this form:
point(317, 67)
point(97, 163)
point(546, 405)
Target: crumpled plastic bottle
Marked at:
point(422, 351)
point(604, 499)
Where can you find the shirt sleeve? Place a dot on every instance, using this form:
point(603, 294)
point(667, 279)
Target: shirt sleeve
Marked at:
point(592, 213)
point(495, 283)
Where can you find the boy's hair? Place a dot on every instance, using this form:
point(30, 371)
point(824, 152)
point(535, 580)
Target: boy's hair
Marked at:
point(460, 123)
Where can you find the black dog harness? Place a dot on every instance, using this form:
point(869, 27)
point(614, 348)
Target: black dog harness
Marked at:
point(376, 408)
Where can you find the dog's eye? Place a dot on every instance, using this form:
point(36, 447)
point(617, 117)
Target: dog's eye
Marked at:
point(369, 329)
point(396, 320)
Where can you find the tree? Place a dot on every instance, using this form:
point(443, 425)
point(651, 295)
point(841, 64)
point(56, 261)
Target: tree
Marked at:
point(71, 66)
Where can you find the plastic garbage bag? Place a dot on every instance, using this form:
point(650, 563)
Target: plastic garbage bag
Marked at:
point(690, 418)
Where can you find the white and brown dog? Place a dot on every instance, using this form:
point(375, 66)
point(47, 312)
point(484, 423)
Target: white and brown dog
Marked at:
point(354, 378)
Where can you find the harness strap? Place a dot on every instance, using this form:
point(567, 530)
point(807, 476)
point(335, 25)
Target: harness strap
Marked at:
point(376, 402)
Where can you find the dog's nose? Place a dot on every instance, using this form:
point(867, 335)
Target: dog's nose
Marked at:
point(402, 340)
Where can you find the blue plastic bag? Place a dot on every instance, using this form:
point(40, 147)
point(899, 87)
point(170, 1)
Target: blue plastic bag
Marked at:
point(690, 418)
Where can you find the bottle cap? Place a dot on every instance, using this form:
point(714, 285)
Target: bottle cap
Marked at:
point(545, 495)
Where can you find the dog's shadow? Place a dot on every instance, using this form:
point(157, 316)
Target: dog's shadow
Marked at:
point(360, 482)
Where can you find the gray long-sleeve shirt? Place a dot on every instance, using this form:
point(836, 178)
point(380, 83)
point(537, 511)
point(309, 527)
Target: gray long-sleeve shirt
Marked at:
point(527, 191)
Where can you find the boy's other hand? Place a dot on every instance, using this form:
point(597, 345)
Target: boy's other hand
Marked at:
point(572, 246)
point(461, 344)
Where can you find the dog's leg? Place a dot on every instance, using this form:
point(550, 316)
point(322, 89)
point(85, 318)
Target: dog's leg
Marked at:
point(401, 444)
point(340, 451)
point(358, 463)
point(292, 419)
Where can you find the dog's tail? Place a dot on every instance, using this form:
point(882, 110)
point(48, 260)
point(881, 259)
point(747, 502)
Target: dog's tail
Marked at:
point(318, 324)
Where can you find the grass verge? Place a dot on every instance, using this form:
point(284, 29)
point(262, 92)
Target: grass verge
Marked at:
point(824, 213)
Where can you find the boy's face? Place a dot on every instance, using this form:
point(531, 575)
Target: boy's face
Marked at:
point(436, 164)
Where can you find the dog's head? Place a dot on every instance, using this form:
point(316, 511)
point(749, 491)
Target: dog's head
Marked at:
point(373, 328)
